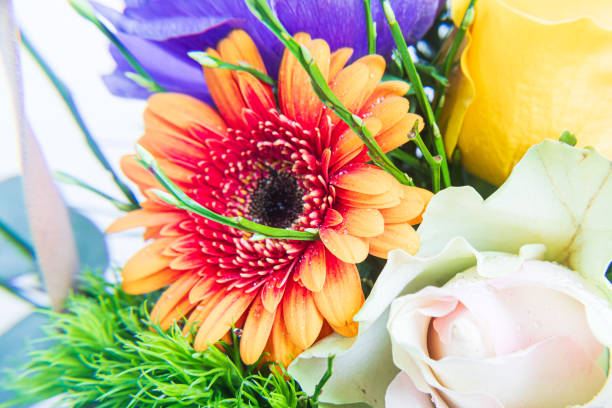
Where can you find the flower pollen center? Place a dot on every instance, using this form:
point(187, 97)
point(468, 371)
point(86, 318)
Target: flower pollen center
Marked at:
point(277, 200)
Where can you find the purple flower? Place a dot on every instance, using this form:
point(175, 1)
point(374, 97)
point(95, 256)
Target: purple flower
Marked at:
point(159, 33)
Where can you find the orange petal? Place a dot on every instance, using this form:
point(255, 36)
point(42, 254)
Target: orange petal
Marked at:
point(175, 146)
point(384, 90)
point(363, 222)
point(311, 268)
point(349, 198)
point(389, 111)
point(280, 346)
point(225, 93)
point(341, 297)
point(272, 293)
point(257, 95)
point(397, 134)
point(338, 60)
point(346, 247)
point(144, 218)
point(296, 96)
point(172, 296)
point(191, 260)
point(202, 289)
point(349, 86)
point(354, 84)
point(147, 261)
point(348, 144)
point(202, 310)
point(138, 174)
point(410, 207)
point(150, 283)
point(332, 218)
point(176, 114)
point(362, 178)
point(177, 314)
point(256, 332)
point(220, 319)
point(396, 236)
point(426, 195)
point(302, 318)
point(376, 67)
point(238, 47)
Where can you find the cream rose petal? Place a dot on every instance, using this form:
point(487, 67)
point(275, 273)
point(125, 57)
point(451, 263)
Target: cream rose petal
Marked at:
point(402, 393)
point(557, 195)
point(363, 368)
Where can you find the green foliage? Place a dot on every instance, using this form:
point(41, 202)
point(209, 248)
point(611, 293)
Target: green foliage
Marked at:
point(104, 352)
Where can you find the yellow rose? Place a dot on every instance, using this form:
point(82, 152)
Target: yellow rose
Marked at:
point(531, 70)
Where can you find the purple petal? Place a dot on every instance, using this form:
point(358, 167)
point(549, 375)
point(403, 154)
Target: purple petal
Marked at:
point(160, 33)
point(414, 17)
point(340, 22)
point(166, 63)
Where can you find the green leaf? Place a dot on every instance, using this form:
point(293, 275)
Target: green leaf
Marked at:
point(90, 240)
point(13, 345)
point(557, 195)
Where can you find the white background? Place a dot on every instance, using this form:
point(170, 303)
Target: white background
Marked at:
point(78, 53)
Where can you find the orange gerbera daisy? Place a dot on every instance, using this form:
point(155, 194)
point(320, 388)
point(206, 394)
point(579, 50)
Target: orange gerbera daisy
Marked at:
point(298, 168)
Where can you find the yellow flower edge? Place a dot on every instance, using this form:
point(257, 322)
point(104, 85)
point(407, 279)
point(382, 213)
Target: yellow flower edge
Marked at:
point(529, 71)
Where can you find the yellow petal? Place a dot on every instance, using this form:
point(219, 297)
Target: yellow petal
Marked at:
point(552, 74)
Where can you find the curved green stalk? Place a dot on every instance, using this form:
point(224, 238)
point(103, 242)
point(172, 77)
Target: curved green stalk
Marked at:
point(207, 60)
point(86, 10)
point(261, 9)
point(415, 80)
point(69, 101)
point(449, 59)
point(370, 26)
point(174, 196)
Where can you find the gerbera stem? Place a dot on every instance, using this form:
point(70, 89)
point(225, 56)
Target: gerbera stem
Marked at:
point(68, 179)
point(176, 197)
point(66, 95)
point(449, 59)
point(207, 60)
point(84, 8)
point(415, 79)
point(261, 9)
point(370, 26)
point(434, 162)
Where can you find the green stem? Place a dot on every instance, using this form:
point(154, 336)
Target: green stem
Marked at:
point(207, 60)
point(434, 164)
point(449, 59)
point(21, 244)
point(86, 10)
point(466, 21)
point(66, 95)
point(409, 160)
point(68, 179)
point(370, 26)
point(319, 387)
point(176, 197)
point(411, 70)
point(261, 9)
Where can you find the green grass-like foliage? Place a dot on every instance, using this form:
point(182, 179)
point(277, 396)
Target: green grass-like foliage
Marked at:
point(105, 353)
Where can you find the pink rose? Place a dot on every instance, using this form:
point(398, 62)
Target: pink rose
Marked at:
point(518, 337)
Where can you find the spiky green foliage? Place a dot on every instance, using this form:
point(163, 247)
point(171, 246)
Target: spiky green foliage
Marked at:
point(105, 353)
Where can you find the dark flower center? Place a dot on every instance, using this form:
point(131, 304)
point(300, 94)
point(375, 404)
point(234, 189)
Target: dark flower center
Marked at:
point(277, 200)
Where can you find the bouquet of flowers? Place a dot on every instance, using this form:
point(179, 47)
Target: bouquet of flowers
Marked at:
point(350, 203)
